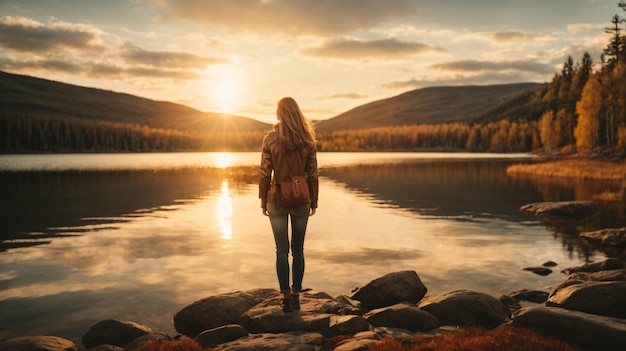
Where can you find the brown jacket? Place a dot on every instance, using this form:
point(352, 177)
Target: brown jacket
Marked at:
point(271, 154)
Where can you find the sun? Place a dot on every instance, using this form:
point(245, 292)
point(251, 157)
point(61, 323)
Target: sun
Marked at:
point(224, 88)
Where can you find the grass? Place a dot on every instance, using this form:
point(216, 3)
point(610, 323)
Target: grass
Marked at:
point(467, 339)
point(610, 196)
point(573, 168)
point(476, 339)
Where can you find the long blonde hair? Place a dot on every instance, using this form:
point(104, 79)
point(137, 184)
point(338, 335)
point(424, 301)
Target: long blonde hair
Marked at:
point(293, 128)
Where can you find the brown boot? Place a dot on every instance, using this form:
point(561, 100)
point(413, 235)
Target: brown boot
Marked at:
point(295, 300)
point(286, 303)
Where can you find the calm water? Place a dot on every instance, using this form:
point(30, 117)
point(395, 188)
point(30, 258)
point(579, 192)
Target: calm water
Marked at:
point(139, 236)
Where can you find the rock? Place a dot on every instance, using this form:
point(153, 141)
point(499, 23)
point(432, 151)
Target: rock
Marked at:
point(612, 237)
point(362, 341)
point(606, 265)
point(221, 335)
point(275, 342)
point(320, 302)
point(589, 331)
point(136, 343)
point(564, 284)
point(37, 343)
point(510, 303)
point(391, 289)
point(216, 311)
point(113, 332)
point(267, 317)
point(610, 275)
point(355, 345)
point(601, 298)
point(404, 316)
point(564, 210)
point(350, 324)
point(530, 295)
point(350, 306)
point(465, 308)
point(106, 348)
point(539, 270)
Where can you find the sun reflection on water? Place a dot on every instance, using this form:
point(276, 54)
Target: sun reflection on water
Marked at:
point(223, 159)
point(225, 213)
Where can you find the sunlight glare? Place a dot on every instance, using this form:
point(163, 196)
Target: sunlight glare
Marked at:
point(225, 213)
point(224, 89)
point(223, 159)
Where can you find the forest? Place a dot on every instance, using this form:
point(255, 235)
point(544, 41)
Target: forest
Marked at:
point(582, 108)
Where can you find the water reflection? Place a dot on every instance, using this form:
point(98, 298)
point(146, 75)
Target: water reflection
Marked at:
point(39, 206)
point(464, 190)
point(141, 244)
point(225, 213)
point(478, 191)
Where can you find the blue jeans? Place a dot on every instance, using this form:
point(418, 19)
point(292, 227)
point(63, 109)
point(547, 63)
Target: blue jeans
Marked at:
point(279, 219)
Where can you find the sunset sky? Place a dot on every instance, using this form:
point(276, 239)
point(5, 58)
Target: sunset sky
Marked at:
point(242, 56)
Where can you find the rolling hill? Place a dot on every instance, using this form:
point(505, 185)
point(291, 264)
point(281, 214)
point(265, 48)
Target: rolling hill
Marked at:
point(22, 95)
point(428, 106)
point(29, 96)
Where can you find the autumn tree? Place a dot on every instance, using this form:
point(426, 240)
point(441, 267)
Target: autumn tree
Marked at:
point(547, 134)
point(588, 109)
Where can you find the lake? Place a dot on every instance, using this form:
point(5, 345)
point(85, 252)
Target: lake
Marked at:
point(88, 237)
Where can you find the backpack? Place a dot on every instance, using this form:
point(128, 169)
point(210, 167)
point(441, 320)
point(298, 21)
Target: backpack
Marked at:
point(291, 189)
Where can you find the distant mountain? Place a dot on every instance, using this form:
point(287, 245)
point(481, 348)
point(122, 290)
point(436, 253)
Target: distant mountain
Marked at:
point(29, 96)
point(428, 106)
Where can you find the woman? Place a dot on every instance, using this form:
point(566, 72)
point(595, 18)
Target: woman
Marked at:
point(295, 135)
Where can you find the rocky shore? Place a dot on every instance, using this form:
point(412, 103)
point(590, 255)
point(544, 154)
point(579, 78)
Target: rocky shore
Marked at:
point(587, 310)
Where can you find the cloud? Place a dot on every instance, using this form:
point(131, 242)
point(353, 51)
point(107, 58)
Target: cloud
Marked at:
point(517, 36)
point(28, 36)
point(52, 47)
point(368, 257)
point(50, 65)
point(585, 27)
point(344, 96)
point(95, 69)
point(288, 17)
point(133, 54)
point(479, 66)
point(350, 49)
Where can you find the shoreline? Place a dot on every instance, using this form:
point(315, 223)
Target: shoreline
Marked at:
point(598, 164)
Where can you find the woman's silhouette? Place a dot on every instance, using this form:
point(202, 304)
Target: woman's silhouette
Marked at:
point(292, 134)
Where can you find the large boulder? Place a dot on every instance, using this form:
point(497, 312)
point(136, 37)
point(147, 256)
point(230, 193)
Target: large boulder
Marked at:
point(37, 343)
point(606, 265)
point(364, 340)
point(216, 311)
point(563, 210)
point(348, 324)
point(404, 316)
point(601, 276)
point(610, 237)
point(465, 308)
point(268, 317)
point(114, 332)
point(601, 298)
point(391, 289)
point(589, 331)
point(221, 335)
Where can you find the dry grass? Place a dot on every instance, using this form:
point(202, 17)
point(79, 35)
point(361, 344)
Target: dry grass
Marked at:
point(610, 196)
point(475, 339)
point(581, 169)
point(182, 344)
point(467, 339)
